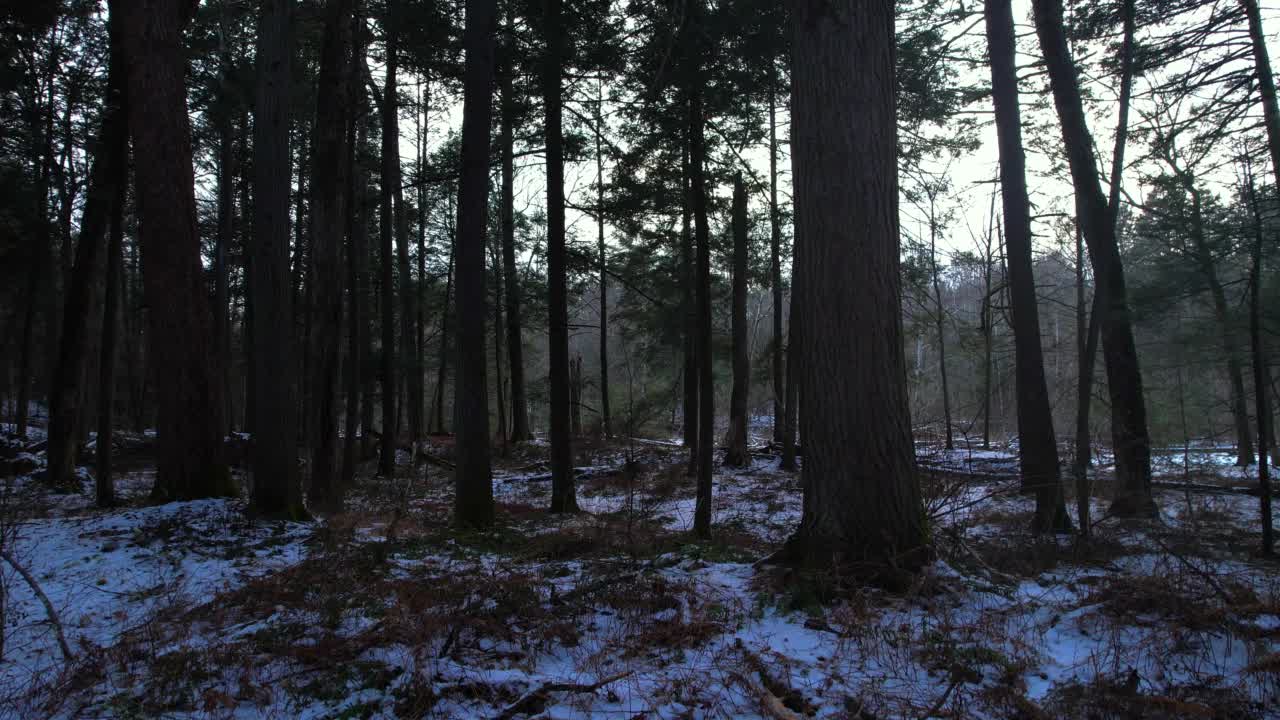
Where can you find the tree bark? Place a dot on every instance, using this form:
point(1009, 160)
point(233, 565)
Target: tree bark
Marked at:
point(736, 453)
point(189, 463)
point(330, 188)
point(474, 484)
point(563, 495)
point(1132, 444)
point(276, 491)
point(862, 505)
point(1037, 443)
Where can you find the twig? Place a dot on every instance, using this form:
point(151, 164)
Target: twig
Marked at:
point(941, 701)
point(48, 606)
point(534, 701)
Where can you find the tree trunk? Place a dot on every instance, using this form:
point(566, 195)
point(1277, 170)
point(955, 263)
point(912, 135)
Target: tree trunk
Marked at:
point(330, 188)
point(84, 283)
point(939, 317)
point(408, 297)
point(862, 505)
point(515, 343)
point(276, 491)
point(228, 172)
point(1089, 334)
point(498, 329)
point(702, 289)
point(390, 182)
point(418, 386)
point(736, 453)
point(1132, 444)
point(688, 276)
point(1235, 373)
point(775, 263)
point(474, 485)
point(1266, 83)
point(189, 463)
point(1261, 374)
point(357, 252)
point(106, 494)
point(1037, 443)
point(563, 495)
point(604, 266)
point(443, 371)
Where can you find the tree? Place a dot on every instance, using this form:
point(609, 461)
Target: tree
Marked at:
point(736, 453)
point(390, 182)
point(862, 503)
point(775, 265)
point(330, 190)
point(1266, 83)
point(563, 496)
point(189, 445)
point(705, 447)
point(1037, 444)
point(515, 342)
point(473, 504)
point(1130, 440)
point(604, 267)
point(85, 284)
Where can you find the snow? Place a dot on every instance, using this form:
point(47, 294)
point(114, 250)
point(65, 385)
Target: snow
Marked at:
point(262, 613)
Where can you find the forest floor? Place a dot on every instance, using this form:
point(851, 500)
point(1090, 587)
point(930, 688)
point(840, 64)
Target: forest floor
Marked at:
point(192, 610)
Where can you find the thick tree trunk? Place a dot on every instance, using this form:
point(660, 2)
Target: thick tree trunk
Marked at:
point(330, 188)
point(862, 505)
point(276, 490)
point(775, 264)
point(563, 495)
point(189, 463)
point(515, 343)
point(84, 284)
point(1132, 444)
point(390, 181)
point(474, 484)
point(735, 452)
point(1037, 443)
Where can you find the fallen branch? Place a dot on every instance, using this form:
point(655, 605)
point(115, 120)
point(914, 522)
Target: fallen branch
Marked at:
point(48, 606)
point(536, 700)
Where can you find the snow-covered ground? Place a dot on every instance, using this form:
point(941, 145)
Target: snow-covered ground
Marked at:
point(191, 610)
